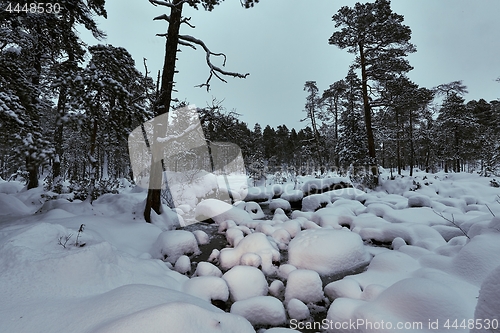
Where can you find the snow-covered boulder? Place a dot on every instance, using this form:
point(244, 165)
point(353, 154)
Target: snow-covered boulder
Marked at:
point(313, 186)
point(261, 310)
point(183, 264)
point(207, 269)
point(258, 194)
point(257, 243)
point(219, 211)
point(314, 202)
point(304, 285)
point(245, 282)
point(280, 203)
point(297, 309)
point(419, 201)
point(209, 288)
point(172, 244)
point(327, 251)
point(347, 287)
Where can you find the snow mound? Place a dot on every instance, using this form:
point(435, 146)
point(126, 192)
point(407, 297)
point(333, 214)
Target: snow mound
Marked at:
point(419, 201)
point(313, 186)
point(10, 187)
point(412, 300)
point(245, 282)
point(292, 195)
point(488, 304)
point(207, 287)
point(304, 285)
point(172, 244)
point(280, 203)
point(172, 317)
point(259, 194)
point(207, 269)
point(327, 251)
point(257, 243)
point(314, 202)
point(297, 310)
point(477, 258)
point(261, 310)
point(347, 287)
point(11, 205)
point(220, 211)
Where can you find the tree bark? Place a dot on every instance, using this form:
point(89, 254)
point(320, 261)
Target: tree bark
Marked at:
point(162, 106)
point(368, 116)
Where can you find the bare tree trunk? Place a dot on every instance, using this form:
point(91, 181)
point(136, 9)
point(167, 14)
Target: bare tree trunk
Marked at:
point(368, 116)
point(93, 161)
point(162, 106)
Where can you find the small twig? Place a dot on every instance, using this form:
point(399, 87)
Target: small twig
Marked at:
point(490, 210)
point(452, 221)
point(66, 239)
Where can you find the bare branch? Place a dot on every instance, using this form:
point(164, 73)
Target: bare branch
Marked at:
point(166, 3)
point(187, 44)
point(162, 17)
point(214, 70)
point(452, 221)
point(490, 209)
point(186, 21)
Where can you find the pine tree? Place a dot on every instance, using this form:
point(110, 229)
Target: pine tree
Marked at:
point(379, 39)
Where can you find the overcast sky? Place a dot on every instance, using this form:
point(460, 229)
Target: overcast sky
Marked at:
point(284, 43)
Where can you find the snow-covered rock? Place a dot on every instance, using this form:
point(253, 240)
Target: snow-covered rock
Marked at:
point(314, 202)
point(183, 264)
point(297, 309)
point(245, 282)
point(279, 203)
point(304, 285)
point(219, 211)
point(207, 269)
point(207, 287)
point(257, 243)
point(172, 244)
point(261, 310)
point(327, 251)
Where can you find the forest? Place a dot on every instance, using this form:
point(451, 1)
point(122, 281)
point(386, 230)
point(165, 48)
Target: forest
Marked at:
point(125, 208)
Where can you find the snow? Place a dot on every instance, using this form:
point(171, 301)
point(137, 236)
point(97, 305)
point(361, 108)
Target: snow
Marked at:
point(420, 266)
point(171, 245)
point(207, 288)
point(304, 285)
point(279, 203)
point(220, 211)
point(245, 282)
point(256, 243)
point(488, 303)
point(297, 309)
point(261, 310)
point(327, 251)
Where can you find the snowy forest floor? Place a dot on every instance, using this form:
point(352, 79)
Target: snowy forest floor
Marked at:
point(418, 254)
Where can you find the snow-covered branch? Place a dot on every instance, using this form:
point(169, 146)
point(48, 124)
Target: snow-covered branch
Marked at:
point(190, 129)
point(214, 70)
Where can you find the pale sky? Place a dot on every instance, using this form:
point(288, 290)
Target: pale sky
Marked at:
point(284, 43)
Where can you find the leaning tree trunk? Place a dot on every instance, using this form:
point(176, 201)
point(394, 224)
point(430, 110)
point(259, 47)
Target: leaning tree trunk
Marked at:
point(162, 106)
point(368, 116)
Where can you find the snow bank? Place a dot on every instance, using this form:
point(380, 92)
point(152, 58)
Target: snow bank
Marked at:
point(10, 205)
point(327, 251)
point(178, 317)
point(488, 303)
point(261, 310)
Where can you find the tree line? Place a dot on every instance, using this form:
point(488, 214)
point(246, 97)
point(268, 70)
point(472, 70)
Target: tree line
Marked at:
point(66, 108)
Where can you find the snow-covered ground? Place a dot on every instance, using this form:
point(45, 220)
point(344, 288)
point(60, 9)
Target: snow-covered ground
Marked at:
point(419, 254)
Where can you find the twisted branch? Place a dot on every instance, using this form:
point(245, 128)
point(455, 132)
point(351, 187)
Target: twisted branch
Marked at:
point(214, 70)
